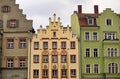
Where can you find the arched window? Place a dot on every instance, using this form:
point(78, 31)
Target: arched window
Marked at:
point(113, 68)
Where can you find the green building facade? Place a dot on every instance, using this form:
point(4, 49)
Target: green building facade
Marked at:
point(99, 43)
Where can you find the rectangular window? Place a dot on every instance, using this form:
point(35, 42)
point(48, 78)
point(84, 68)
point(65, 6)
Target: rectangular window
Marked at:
point(96, 68)
point(87, 37)
point(45, 73)
point(22, 62)
point(54, 73)
point(95, 52)
point(109, 22)
point(35, 73)
point(73, 58)
point(6, 9)
point(10, 43)
point(36, 45)
point(73, 73)
point(64, 73)
point(90, 21)
point(72, 45)
point(54, 58)
point(95, 36)
point(13, 23)
point(45, 45)
point(64, 58)
point(54, 34)
point(88, 68)
point(109, 36)
point(45, 59)
point(63, 45)
point(112, 52)
point(54, 45)
point(36, 58)
point(10, 62)
point(22, 43)
point(87, 52)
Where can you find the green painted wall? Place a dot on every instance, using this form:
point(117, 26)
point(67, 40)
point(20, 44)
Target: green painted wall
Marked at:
point(103, 60)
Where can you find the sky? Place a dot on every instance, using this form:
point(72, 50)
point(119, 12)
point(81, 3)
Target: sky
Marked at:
point(40, 10)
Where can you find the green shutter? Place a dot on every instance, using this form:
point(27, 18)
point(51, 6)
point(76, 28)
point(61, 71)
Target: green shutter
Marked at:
point(8, 23)
point(17, 23)
point(1, 23)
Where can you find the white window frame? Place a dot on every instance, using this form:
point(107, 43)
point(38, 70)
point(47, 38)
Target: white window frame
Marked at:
point(22, 43)
point(87, 68)
point(95, 52)
point(36, 58)
point(90, 21)
point(110, 20)
point(22, 62)
point(87, 37)
point(95, 37)
point(96, 71)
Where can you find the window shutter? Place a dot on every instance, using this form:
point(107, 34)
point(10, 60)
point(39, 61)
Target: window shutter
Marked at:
point(9, 9)
point(17, 23)
point(8, 23)
point(1, 23)
point(2, 9)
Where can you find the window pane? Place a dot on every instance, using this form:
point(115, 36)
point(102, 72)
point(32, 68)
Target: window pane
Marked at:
point(10, 43)
point(64, 58)
point(45, 58)
point(22, 43)
point(54, 58)
point(73, 58)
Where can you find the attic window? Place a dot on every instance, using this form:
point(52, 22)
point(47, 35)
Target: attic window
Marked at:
point(109, 22)
point(6, 9)
point(90, 21)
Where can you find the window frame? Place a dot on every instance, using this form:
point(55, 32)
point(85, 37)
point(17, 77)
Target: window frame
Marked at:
point(87, 36)
point(95, 50)
point(73, 75)
point(6, 9)
point(22, 44)
point(87, 53)
point(36, 45)
point(63, 76)
point(88, 69)
point(43, 73)
point(34, 74)
point(63, 45)
point(72, 45)
point(35, 60)
point(95, 37)
point(23, 63)
point(56, 73)
point(54, 45)
point(72, 58)
point(46, 60)
point(9, 42)
point(45, 45)
point(112, 69)
point(90, 21)
point(109, 22)
point(96, 68)
point(63, 59)
point(12, 63)
point(54, 60)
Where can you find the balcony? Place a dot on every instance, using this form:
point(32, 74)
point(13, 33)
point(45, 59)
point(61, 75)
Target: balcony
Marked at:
point(111, 41)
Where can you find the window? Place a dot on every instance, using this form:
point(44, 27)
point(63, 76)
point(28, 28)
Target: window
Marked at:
point(22, 62)
point(6, 9)
point(36, 58)
point(36, 45)
point(110, 36)
point(54, 34)
point(54, 73)
point(73, 73)
point(112, 52)
point(95, 36)
point(90, 21)
point(64, 73)
point(63, 45)
point(13, 23)
point(72, 45)
point(64, 58)
point(1, 23)
point(36, 73)
point(10, 43)
point(10, 62)
point(45, 58)
point(96, 68)
point(87, 36)
point(95, 52)
point(113, 68)
point(54, 58)
point(87, 52)
point(109, 22)
point(88, 68)
point(73, 58)
point(54, 45)
point(45, 73)
point(45, 45)
point(22, 43)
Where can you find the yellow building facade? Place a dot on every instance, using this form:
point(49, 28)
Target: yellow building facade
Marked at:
point(54, 52)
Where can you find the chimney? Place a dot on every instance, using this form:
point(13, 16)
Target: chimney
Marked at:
point(79, 8)
point(96, 9)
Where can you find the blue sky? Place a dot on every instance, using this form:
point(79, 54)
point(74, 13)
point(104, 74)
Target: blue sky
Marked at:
point(40, 10)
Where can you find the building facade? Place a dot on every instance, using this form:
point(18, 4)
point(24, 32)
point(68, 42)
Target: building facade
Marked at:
point(15, 33)
point(54, 52)
point(99, 43)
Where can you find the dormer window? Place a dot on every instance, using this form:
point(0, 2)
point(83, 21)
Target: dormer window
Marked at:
point(90, 21)
point(6, 9)
point(109, 22)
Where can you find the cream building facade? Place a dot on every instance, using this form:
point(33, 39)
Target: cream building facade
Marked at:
point(54, 52)
point(16, 32)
